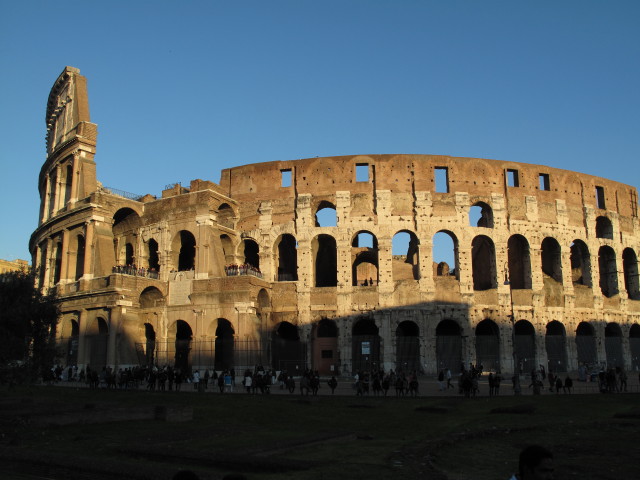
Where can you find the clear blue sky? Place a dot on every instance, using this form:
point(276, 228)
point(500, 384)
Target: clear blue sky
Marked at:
point(181, 90)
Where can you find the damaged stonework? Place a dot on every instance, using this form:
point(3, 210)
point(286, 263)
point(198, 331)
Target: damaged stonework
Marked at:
point(327, 263)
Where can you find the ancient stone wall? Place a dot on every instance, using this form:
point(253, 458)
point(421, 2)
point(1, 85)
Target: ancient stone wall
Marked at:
point(328, 263)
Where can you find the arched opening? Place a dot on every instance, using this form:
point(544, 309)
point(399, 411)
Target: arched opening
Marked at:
point(224, 345)
point(364, 259)
point(325, 261)
point(634, 346)
point(448, 346)
point(68, 179)
point(184, 335)
point(97, 340)
point(151, 297)
point(252, 254)
point(325, 347)
point(326, 215)
point(408, 347)
point(525, 346)
point(551, 259)
point(608, 271)
point(57, 265)
point(445, 254)
point(69, 338)
point(128, 254)
point(184, 245)
point(519, 260)
point(288, 353)
point(483, 263)
point(580, 264)
point(604, 228)
point(154, 260)
point(287, 259)
point(613, 345)
point(556, 345)
point(488, 345)
point(126, 223)
point(80, 253)
point(226, 216)
point(586, 345)
point(150, 344)
point(365, 348)
point(405, 256)
point(630, 267)
point(480, 215)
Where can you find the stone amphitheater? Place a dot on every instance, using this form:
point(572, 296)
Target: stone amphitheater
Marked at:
point(328, 263)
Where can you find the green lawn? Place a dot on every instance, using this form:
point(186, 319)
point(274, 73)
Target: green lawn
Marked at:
point(281, 436)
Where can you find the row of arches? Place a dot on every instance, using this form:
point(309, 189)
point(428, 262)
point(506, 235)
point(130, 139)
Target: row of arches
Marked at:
point(283, 348)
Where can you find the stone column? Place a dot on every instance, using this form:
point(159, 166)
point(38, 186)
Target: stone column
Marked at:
point(87, 269)
point(64, 260)
point(115, 315)
point(46, 199)
point(82, 327)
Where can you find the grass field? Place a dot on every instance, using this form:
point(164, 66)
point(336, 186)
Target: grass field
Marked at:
point(70, 433)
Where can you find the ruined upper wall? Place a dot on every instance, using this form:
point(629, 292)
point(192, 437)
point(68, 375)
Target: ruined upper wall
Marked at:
point(406, 174)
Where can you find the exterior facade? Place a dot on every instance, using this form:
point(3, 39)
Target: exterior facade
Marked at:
point(327, 263)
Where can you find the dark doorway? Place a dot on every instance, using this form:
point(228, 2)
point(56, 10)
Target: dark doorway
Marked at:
point(613, 345)
point(288, 353)
point(488, 346)
point(325, 347)
point(525, 346)
point(408, 348)
point(586, 345)
point(365, 347)
point(187, 255)
point(184, 336)
point(555, 342)
point(224, 345)
point(448, 346)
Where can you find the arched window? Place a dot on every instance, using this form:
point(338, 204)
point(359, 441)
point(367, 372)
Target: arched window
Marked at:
point(154, 260)
point(519, 262)
point(445, 254)
point(481, 215)
point(483, 263)
point(128, 254)
point(185, 245)
point(630, 267)
point(608, 271)
point(405, 256)
point(604, 228)
point(326, 215)
point(151, 297)
point(287, 259)
point(552, 259)
point(580, 264)
point(325, 254)
point(364, 257)
point(252, 253)
point(80, 253)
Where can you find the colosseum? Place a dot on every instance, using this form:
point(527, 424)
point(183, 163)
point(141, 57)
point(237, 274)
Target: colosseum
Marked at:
point(328, 263)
